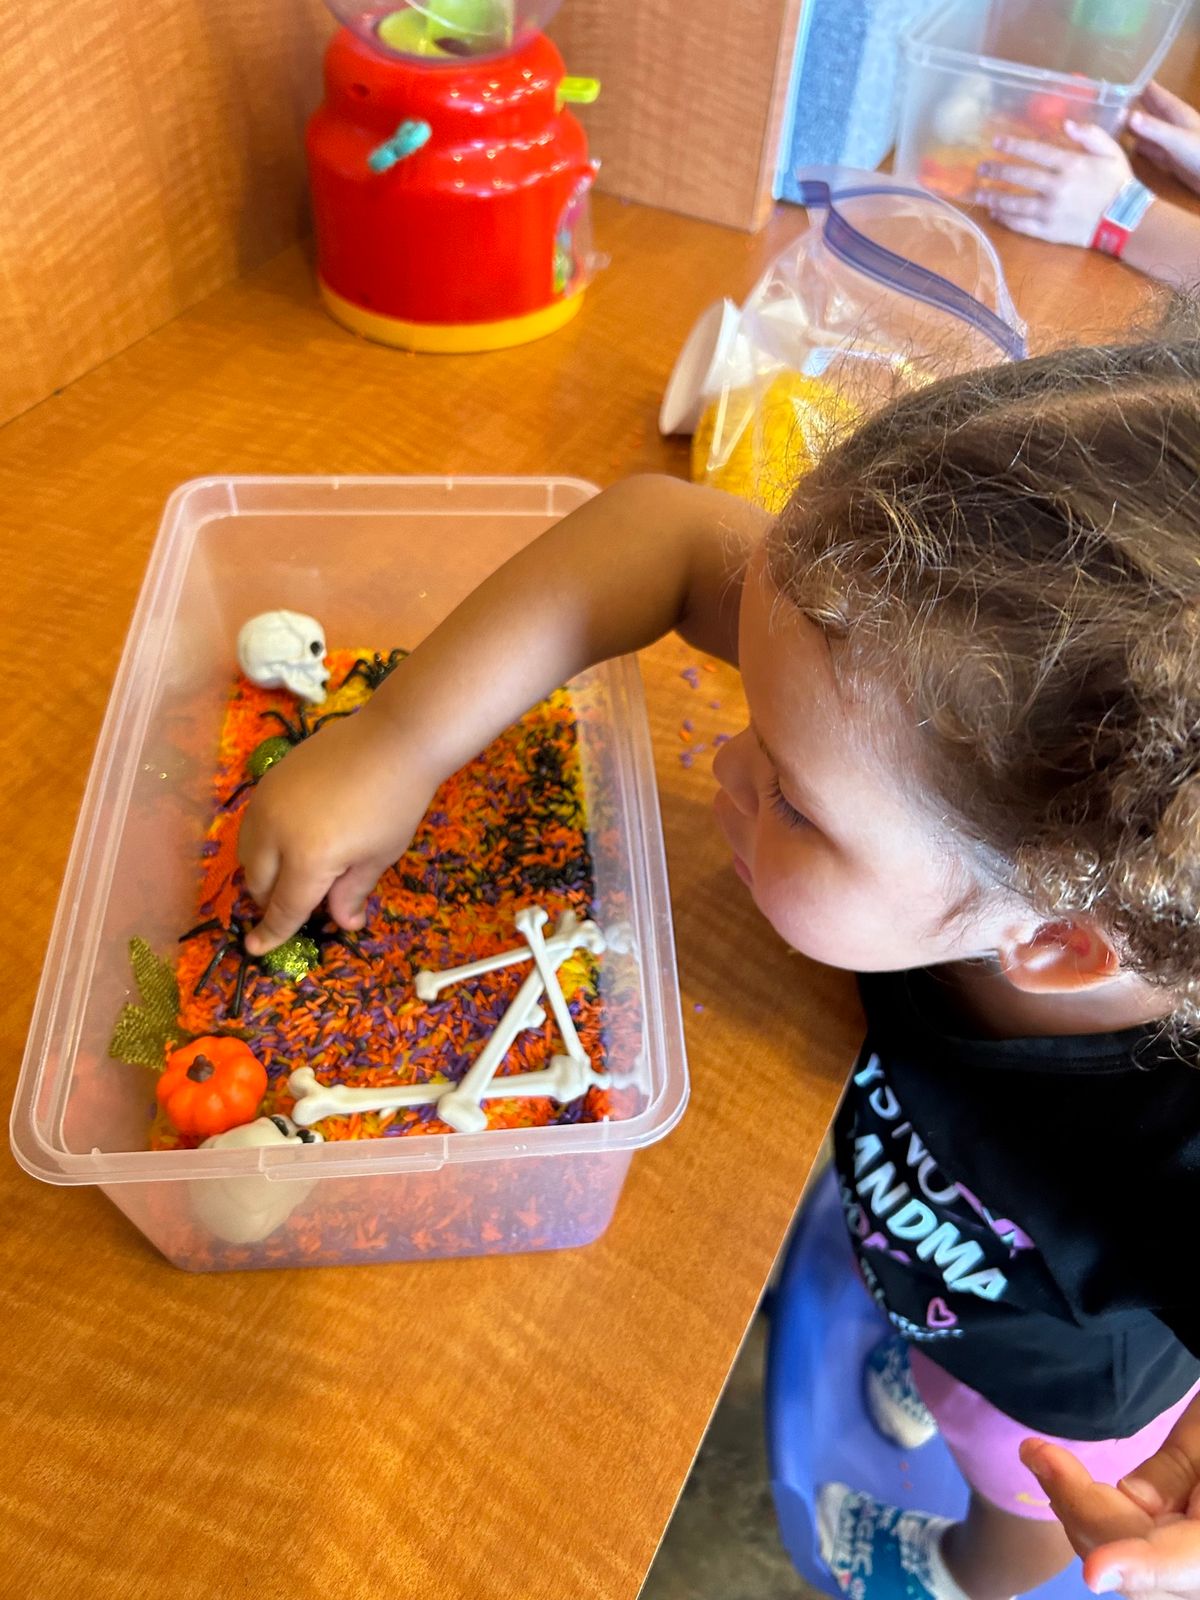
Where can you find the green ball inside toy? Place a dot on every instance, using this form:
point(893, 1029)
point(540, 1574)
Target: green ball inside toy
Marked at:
point(406, 32)
point(466, 19)
point(447, 28)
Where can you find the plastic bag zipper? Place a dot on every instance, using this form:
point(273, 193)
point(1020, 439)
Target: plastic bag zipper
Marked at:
point(893, 271)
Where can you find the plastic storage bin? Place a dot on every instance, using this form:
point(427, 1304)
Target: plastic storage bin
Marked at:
point(977, 68)
point(377, 560)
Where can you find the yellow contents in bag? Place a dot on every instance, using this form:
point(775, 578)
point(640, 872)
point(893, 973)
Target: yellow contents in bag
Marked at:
point(757, 442)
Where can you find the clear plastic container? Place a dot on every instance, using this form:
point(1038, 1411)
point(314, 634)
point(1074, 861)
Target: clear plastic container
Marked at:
point(977, 68)
point(375, 559)
point(444, 31)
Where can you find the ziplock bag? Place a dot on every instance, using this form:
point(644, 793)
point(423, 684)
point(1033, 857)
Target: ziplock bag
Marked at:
point(887, 289)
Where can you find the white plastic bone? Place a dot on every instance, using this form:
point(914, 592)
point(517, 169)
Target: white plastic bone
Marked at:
point(570, 935)
point(460, 1107)
point(285, 649)
point(530, 921)
point(564, 1080)
point(567, 1077)
point(315, 1100)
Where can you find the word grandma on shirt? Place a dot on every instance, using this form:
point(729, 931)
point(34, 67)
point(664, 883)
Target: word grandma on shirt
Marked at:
point(932, 1225)
point(1014, 1207)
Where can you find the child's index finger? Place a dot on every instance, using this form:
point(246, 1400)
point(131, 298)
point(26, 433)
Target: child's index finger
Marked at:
point(1091, 1513)
point(294, 897)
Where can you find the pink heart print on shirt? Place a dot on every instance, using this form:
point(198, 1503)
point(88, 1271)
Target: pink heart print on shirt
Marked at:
point(939, 1315)
point(1004, 1228)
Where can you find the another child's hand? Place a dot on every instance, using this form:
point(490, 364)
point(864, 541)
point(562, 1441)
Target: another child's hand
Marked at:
point(1069, 190)
point(1166, 130)
point(327, 822)
point(1142, 1537)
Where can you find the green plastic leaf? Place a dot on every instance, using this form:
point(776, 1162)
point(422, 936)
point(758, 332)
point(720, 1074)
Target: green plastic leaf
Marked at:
point(158, 986)
point(145, 1033)
point(138, 1040)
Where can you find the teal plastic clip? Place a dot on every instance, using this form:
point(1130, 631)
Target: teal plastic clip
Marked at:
point(407, 139)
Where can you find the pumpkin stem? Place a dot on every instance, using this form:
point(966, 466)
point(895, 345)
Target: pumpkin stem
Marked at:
point(201, 1070)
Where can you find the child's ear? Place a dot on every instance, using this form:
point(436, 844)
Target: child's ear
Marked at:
point(1060, 958)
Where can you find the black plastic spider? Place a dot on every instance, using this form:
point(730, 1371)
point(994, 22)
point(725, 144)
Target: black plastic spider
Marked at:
point(295, 958)
point(374, 669)
point(273, 748)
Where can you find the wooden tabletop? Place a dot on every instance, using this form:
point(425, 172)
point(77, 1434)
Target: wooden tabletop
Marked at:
point(501, 1429)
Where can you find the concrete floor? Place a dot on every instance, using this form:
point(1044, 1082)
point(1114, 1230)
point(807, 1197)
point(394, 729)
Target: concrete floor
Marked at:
point(722, 1542)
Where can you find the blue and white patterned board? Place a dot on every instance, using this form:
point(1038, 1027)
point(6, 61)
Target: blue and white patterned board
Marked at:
point(845, 88)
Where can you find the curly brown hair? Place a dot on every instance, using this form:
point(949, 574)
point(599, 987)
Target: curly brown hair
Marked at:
point(1017, 552)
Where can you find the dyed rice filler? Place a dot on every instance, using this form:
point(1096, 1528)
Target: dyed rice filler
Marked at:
point(510, 829)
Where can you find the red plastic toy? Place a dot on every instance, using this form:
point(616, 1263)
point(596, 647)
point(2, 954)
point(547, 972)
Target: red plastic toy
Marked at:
point(450, 184)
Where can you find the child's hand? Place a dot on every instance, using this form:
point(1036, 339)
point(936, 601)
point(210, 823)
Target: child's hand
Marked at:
point(327, 822)
point(330, 818)
point(1069, 190)
point(1166, 130)
point(1142, 1537)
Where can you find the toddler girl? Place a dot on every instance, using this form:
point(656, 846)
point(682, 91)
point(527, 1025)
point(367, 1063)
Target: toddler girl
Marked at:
point(971, 652)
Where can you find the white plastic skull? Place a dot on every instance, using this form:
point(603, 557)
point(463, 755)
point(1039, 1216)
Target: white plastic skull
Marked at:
point(243, 1210)
point(285, 649)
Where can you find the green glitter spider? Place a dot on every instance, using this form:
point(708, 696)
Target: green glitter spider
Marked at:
point(271, 750)
point(294, 959)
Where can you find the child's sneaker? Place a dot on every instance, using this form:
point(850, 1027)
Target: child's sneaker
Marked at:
point(893, 1399)
point(878, 1552)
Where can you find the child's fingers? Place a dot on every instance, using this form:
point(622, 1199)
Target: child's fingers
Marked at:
point(294, 895)
point(1168, 1480)
point(1091, 1513)
point(1093, 138)
point(1048, 156)
point(1035, 179)
point(1166, 1561)
point(1162, 103)
point(348, 897)
point(1152, 152)
point(260, 863)
point(1157, 134)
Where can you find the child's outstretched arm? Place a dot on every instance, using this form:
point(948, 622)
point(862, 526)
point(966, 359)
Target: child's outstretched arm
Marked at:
point(643, 558)
point(1141, 1538)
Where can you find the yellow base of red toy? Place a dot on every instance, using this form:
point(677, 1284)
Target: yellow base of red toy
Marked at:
point(450, 338)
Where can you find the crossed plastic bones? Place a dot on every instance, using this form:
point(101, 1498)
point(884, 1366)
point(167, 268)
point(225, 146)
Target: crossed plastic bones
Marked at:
point(568, 1076)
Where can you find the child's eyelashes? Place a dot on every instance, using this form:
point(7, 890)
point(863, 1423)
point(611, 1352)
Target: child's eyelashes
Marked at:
point(783, 808)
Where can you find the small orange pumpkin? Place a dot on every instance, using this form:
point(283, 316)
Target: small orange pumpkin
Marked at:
point(211, 1085)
